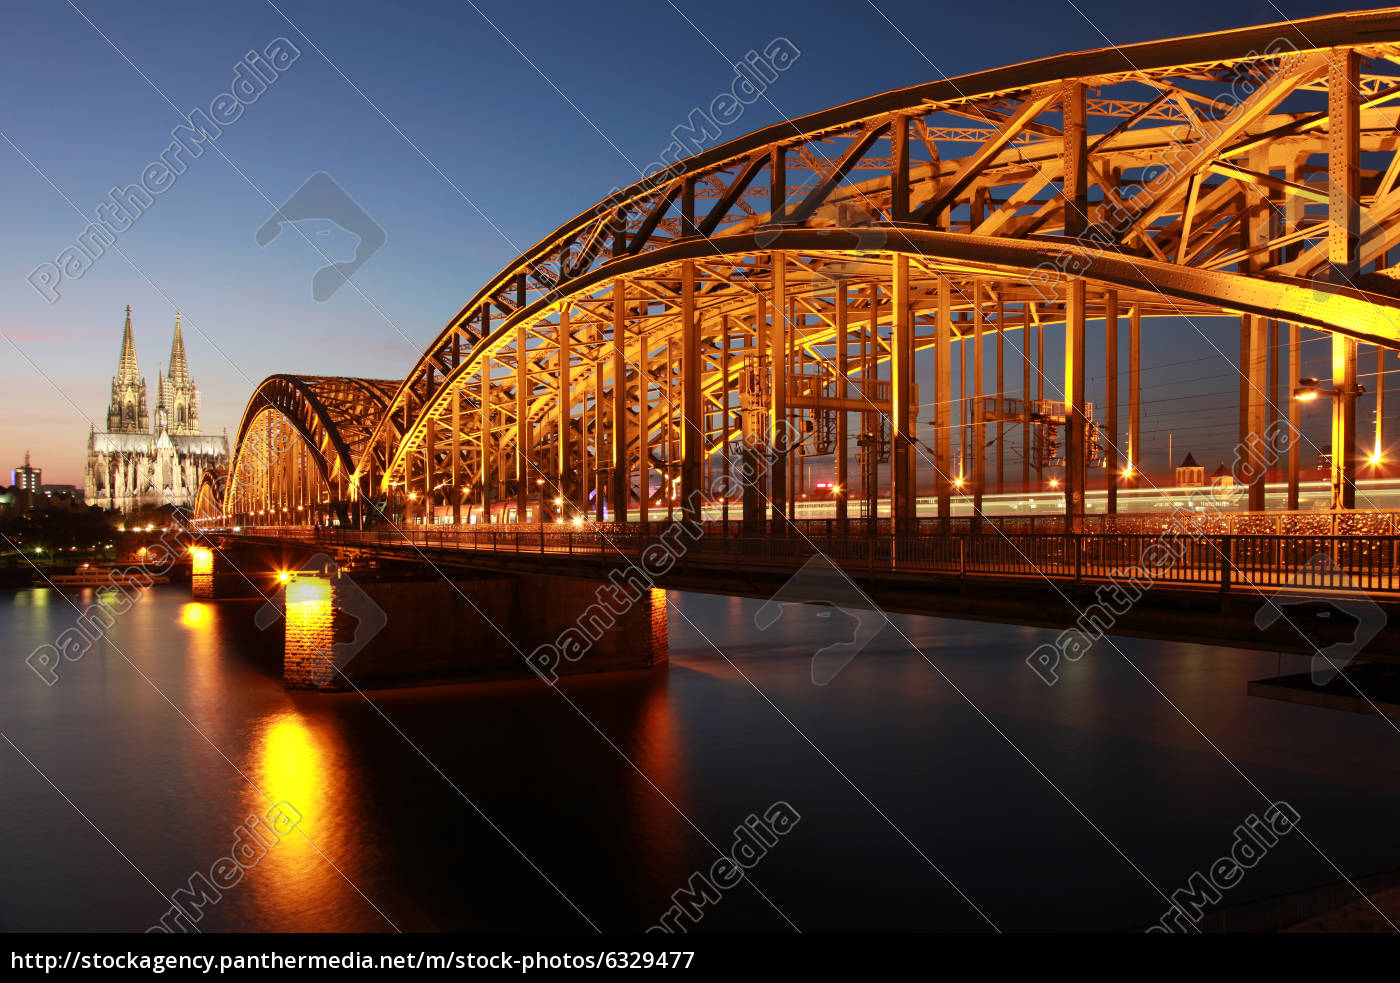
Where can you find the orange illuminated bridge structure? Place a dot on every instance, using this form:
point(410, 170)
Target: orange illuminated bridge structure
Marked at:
point(864, 296)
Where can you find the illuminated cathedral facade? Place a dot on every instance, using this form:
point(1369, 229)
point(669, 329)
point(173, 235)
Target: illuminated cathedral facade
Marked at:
point(158, 458)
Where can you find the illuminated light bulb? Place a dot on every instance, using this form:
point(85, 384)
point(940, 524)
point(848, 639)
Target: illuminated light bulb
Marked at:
point(283, 576)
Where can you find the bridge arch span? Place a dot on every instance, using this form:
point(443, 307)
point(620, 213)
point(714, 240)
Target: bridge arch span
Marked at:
point(209, 499)
point(823, 275)
point(296, 446)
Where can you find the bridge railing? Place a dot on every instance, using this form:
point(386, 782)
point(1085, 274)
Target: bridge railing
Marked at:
point(1191, 558)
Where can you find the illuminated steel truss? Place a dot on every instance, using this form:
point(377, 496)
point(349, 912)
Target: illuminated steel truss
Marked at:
point(818, 277)
point(298, 444)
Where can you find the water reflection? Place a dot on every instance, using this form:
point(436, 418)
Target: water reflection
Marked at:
point(474, 807)
point(295, 887)
point(196, 616)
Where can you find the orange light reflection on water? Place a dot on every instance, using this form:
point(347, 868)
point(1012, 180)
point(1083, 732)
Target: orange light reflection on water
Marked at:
point(196, 616)
point(294, 886)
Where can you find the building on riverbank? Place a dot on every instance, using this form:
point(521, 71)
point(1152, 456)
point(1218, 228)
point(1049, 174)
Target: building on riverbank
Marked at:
point(139, 461)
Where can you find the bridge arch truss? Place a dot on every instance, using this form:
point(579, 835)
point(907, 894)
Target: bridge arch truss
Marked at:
point(296, 448)
point(776, 299)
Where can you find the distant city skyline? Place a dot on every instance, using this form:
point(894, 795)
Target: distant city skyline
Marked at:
point(460, 162)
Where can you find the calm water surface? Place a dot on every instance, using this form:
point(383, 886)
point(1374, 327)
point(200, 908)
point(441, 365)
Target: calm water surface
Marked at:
point(938, 789)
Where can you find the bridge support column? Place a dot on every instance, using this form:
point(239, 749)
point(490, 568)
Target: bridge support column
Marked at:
point(643, 426)
point(1343, 422)
point(599, 483)
point(455, 473)
point(871, 422)
point(943, 397)
point(843, 373)
point(692, 422)
point(903, 431)
point(1255, 450)
point(1075, 471)
point(757, 430)
point(564, 407)
point(524, 473)
point(1001, 395)
point(1025, 397)
point(1135, 390)
point(1295, 414)
point(1344, 254)
point(621, 476)
point(488, 476)
point(979, 426)
point(780, 442)
point(1110, 450)
point(1378, 452)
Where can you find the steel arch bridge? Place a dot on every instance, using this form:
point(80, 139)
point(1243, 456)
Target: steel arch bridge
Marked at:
point(297, 447)
point(773, 299)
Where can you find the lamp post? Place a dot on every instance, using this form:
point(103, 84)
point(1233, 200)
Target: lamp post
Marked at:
point(1343, 463)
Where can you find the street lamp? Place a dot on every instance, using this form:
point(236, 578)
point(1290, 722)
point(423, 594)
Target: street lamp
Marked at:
point(1310, 389)
point(1307, 390)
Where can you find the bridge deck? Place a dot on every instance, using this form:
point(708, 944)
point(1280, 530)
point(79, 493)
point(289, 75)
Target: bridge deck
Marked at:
point(1240, 563)
point(1318, 591)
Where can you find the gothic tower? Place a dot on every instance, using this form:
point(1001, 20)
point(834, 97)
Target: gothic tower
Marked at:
point(178, 404)
point(127, 412)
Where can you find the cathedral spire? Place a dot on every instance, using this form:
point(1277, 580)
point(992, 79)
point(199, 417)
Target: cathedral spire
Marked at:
point(179, 368)
point(127, 411)
point(128, 372)
point(177, 408)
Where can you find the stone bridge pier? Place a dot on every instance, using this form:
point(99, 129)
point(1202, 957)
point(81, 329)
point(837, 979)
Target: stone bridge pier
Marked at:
point(240, 570)
point(345, 630)
point(351, 623)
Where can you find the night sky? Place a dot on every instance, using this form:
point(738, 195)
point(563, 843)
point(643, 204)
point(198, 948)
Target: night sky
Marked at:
point(467, 131)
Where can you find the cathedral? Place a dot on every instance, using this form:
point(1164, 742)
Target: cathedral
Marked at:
point(156, 460)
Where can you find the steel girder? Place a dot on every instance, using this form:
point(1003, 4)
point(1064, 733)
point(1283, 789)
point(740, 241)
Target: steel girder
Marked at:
point(1025, 271)
point(333, 418)
point(1179, 146)
point(209, 500)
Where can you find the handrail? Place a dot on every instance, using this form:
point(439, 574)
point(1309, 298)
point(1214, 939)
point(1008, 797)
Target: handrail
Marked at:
point(1229, 562)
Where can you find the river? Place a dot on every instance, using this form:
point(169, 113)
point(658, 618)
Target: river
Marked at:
point(939, 784)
